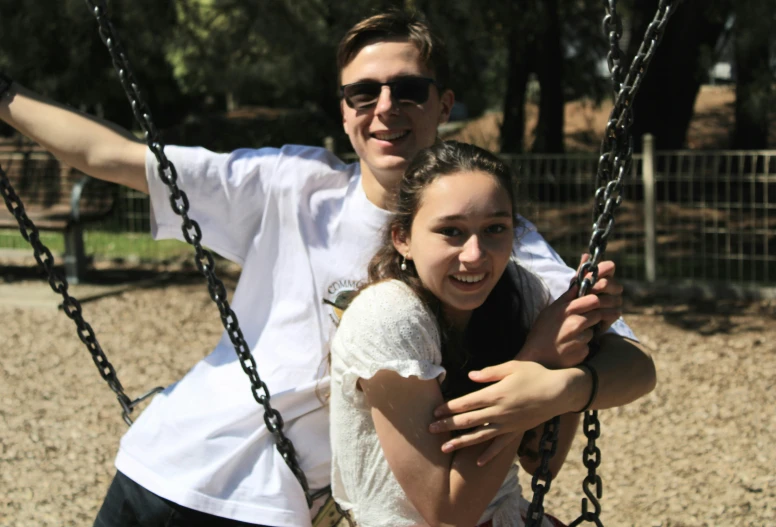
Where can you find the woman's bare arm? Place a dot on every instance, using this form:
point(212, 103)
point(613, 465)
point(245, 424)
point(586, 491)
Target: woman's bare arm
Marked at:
point(526, 394)
point(445, 488)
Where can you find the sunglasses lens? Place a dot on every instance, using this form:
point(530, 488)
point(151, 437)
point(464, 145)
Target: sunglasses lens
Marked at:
point(362, 94)
point(411, 90)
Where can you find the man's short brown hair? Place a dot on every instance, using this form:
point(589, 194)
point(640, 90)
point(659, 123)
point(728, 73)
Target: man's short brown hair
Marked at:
point(397, 24)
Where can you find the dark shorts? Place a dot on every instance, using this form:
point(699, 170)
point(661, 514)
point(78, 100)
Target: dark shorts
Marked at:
point(555, 521)
point(127, 504)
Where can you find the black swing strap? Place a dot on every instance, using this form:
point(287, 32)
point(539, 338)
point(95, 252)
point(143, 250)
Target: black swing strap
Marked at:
point(614, 164)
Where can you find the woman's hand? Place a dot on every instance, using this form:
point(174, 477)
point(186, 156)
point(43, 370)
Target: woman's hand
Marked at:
point(525, 394)
point(531, 390)
point(560, 335)
point(609, 291)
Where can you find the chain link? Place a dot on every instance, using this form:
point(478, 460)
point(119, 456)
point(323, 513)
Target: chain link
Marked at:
point(592, 486)
point(193, 235)
point(70, 305)
point(547, 447)
point(614, 164)
point(612, 28)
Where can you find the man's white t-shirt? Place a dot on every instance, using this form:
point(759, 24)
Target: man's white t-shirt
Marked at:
point(299, 223)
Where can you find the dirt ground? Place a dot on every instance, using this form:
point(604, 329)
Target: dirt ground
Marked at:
point(584, 123)
point(698, 451)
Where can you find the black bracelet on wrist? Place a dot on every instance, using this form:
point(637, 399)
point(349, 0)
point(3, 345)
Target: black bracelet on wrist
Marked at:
point(5, 84)
point(594, 391)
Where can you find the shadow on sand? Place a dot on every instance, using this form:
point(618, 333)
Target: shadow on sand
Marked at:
point(109, 279)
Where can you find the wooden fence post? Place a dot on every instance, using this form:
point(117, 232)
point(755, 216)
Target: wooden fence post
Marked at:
point(648, 178)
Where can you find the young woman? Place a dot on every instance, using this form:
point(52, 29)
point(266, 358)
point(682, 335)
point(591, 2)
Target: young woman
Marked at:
point(444, 298)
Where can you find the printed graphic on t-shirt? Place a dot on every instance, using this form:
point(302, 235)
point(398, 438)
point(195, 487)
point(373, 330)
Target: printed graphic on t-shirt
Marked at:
point(338, 296)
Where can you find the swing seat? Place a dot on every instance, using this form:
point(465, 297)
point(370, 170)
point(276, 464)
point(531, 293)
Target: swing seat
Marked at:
point(57, 198)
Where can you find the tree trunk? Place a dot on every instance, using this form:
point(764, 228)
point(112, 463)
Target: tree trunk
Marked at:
point(513, 126)
point(753, 74)
point(549, 70)
point(666, 99)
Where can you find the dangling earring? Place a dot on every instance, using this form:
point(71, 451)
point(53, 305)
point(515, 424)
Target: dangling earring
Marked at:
point(403, 265)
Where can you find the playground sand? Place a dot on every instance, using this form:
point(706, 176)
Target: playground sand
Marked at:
point(698, 451)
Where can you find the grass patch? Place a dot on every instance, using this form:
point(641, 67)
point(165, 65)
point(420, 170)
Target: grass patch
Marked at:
point(105, 244)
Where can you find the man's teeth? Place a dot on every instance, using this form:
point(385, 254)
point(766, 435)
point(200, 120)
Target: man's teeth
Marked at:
point(469, 278)
point(390, 136)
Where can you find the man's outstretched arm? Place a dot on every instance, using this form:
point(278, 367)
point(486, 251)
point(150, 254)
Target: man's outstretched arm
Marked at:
point(93, 146)
point(625, 369)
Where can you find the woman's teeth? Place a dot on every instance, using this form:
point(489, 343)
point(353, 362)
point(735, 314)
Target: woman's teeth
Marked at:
point(469, 278)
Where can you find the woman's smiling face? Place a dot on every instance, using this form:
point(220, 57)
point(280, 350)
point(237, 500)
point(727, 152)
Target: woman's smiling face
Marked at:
point(461, 240)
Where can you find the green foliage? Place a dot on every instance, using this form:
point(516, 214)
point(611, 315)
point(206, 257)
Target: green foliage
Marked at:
point(585, 45)
point(277, 53)
point(53, 47)
point(194, 58)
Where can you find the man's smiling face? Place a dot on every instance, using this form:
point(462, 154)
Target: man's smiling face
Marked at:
point(387, 134)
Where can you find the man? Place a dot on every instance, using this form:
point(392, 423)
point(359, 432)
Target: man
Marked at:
point(303, 225)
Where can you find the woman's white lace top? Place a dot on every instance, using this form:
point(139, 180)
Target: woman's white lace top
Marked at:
point(387, 327)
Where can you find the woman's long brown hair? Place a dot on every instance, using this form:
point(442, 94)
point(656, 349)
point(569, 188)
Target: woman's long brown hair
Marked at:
point(498, 328)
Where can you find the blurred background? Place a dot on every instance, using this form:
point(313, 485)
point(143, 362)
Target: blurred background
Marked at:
point(531, 82)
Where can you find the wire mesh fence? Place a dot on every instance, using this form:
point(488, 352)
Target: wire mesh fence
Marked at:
point(556, 194)
point(46, 188)
point(713, 215)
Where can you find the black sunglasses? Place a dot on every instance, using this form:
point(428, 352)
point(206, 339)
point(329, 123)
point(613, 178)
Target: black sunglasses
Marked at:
point(363, 94)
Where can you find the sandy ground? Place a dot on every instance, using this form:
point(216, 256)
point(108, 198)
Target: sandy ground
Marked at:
point(698, 451)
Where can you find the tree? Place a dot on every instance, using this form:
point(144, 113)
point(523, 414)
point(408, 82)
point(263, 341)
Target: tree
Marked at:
point(53, 47)
point(549, 70)
point(754, 77)
point(281, 54)
point(520, 53)
point(561, 43)
point(665, 102)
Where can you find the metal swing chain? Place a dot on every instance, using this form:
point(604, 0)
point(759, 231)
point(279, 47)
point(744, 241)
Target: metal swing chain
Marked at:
point(547, 447)
point(193, 235)
point(612, 28)
point(70, 305)
point(613, 165)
